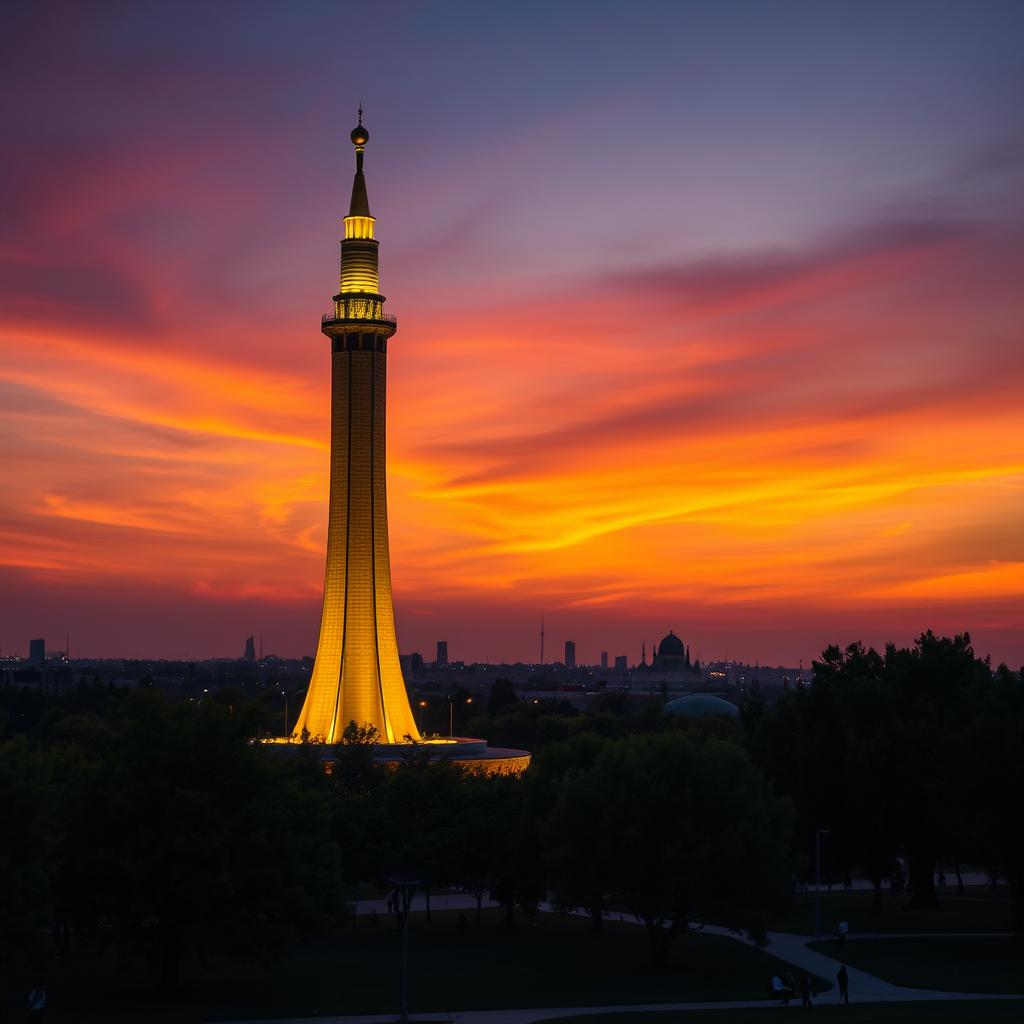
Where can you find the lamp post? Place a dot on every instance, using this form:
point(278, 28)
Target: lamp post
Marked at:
point(421, 704)
point(817, 884)
point(284, 694)
point(405, 888)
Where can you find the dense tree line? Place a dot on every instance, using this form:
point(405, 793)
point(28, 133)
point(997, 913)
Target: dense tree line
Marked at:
point(910, 753)
point(158, 828)
point(140, 825)
point(153, 827)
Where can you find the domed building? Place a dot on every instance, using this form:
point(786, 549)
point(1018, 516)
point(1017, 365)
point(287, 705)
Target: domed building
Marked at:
point(700, 704)
point(671, 655)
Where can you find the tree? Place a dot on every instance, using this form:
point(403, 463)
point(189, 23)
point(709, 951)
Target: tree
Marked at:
point(27, 848)
point(502, 694)
point(572, 835)
point(877, 749)
point(675, 827)
point(938, 684)
point(421, 803)
point(998, 782)
point(515, 873)
point(179, 830)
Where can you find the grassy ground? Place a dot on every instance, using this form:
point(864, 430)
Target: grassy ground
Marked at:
point(949, 965)
point(553, 961)
point(980, 1012)
point(980, 910)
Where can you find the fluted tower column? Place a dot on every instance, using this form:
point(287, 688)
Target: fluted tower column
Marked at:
point(357, 676)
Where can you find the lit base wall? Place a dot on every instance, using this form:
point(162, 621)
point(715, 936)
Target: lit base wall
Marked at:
point(472, 754)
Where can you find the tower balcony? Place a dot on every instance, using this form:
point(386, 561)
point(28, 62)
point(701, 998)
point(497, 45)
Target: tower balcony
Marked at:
point(380, 318)
point(360, 307)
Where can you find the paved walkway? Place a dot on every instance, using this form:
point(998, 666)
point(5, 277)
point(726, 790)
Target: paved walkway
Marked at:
point(438, 903)
point(864, 987)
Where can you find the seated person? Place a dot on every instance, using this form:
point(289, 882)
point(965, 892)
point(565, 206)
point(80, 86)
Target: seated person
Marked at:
point(781, 990)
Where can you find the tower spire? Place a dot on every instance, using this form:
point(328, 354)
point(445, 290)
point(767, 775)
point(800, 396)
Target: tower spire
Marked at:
point(359, 206)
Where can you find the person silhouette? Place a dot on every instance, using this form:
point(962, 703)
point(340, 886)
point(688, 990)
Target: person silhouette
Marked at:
point(805, 990)
point(844, 984)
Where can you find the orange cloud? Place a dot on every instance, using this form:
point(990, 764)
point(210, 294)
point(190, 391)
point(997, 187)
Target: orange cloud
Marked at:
point(835, 430)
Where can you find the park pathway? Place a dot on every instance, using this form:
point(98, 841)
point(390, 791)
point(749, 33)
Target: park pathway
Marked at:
point(864, 987)
point(793, 948)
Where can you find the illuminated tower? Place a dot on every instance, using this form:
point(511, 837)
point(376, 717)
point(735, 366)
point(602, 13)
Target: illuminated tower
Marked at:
point(356, 676)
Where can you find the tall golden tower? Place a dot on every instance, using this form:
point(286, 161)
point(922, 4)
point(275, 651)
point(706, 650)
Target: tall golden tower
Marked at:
point(357, 676)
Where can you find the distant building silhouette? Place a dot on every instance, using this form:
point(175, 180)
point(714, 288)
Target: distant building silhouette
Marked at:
point(442, 653)
point(411, 665)
point(621, 665)
point(670, 654)
point(604, 659)
point(669, 657)
point(250, 649)
point(570, 653)
point(37, 651)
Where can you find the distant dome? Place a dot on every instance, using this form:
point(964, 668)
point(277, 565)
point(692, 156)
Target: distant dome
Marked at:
point(671, 647)
point(360, 136)
point(701, 704)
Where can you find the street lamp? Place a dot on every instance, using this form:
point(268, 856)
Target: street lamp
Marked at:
point(284, 694)
point(817, 884)
point(404, 888)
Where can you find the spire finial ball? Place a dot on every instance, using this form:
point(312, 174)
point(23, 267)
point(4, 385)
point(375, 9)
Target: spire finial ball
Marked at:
point(360, 135)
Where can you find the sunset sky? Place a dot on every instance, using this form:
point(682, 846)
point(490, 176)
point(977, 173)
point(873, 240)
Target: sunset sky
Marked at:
point(711, 318)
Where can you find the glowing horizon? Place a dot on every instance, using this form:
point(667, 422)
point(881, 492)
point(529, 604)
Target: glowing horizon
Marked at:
point(689, 349)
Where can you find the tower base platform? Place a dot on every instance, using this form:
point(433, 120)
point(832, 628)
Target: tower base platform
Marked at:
point(471, 754)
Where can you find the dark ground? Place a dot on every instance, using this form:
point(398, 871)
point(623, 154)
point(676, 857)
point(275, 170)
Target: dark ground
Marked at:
point(980, 910)
point(981, 1012)
point(550, 961)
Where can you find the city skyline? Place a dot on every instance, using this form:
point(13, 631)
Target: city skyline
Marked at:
point(699, 333)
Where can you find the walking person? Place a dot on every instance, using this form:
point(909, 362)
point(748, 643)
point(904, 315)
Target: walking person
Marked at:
point(805, 990)
point(844, 984)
